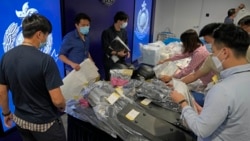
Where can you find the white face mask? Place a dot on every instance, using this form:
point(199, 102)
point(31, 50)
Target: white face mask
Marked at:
point(124, 25)
point(217, 62)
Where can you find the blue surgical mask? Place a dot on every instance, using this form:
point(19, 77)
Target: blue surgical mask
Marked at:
point(42, 44)
point(209, 47)
point(124, 25)
point(84, 30)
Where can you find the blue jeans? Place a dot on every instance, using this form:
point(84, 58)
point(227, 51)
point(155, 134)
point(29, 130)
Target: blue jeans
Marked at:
point(199, 97)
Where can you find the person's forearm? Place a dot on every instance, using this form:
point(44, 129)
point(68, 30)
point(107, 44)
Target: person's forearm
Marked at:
point(189, 79)
point(57, 98)
point(65, 60)
point(114, 52)
point(59, 103)
point(4, 100)
point(183, 104)
point(166, 60)
point(193, 76)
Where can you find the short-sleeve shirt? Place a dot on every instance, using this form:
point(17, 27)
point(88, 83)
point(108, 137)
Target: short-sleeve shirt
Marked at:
point(30, 74)
point(74, 48)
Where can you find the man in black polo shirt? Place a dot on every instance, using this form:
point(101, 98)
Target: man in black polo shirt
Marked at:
point(34, 80)
point(108, 35)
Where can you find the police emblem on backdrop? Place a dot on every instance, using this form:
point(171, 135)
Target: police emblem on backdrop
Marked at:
point(108, 2)
point(13, 34)
point(142, 26)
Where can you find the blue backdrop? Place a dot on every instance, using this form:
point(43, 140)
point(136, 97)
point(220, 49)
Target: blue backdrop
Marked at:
point(142, 26)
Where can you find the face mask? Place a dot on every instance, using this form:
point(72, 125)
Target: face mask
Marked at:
point(124, 25)
point(84, 30)
point(42, 44)
point(217, 62)
point(209, 47)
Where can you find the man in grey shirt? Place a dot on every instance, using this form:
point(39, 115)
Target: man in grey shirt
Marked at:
point(225, 115)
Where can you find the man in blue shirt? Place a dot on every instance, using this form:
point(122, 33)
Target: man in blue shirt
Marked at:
point(75, 45)
point(231, 13)
point(225, 114)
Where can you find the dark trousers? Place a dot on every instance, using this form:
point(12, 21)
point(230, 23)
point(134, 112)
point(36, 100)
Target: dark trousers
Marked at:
point(107, 65)
point(79, 130)
point(55, 133)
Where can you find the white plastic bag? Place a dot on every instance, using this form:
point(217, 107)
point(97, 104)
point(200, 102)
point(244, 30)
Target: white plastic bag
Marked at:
point(167, 68)
point(182, 88)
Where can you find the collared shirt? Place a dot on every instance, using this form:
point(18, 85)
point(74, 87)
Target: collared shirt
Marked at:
point(225, 115)
point(197, 58)
point(228, 20)
point(74, 48)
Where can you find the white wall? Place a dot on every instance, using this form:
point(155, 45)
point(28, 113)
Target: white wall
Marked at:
point(164, 16)
point(217, 9)
point(187, 15)
point(176, 14)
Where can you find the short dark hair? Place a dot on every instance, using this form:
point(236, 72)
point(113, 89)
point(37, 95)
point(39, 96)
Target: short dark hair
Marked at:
point(120, 15)
point(244, 21)
point(190, 40)
point(208, 29)
point(232, 37)
point(35, 22)
point(81, 16)
point(231, 11)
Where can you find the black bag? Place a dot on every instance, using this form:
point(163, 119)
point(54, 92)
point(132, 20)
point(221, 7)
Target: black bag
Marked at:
point(144, 72)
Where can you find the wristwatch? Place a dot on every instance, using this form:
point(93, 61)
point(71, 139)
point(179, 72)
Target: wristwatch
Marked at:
point(7, 114)
point(182, 101)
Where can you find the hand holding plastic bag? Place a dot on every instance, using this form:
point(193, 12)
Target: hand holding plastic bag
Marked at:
point(181, 92)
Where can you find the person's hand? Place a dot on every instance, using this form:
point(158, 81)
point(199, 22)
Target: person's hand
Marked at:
point(75, 66)
point(176, 96)
point(170, 84)
point(241, 6)
point(122, 53)
point(161, 62)
point(198, 107)
point(165, 78)
point(61, 109)
point(8, 120)
point(128, 54)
